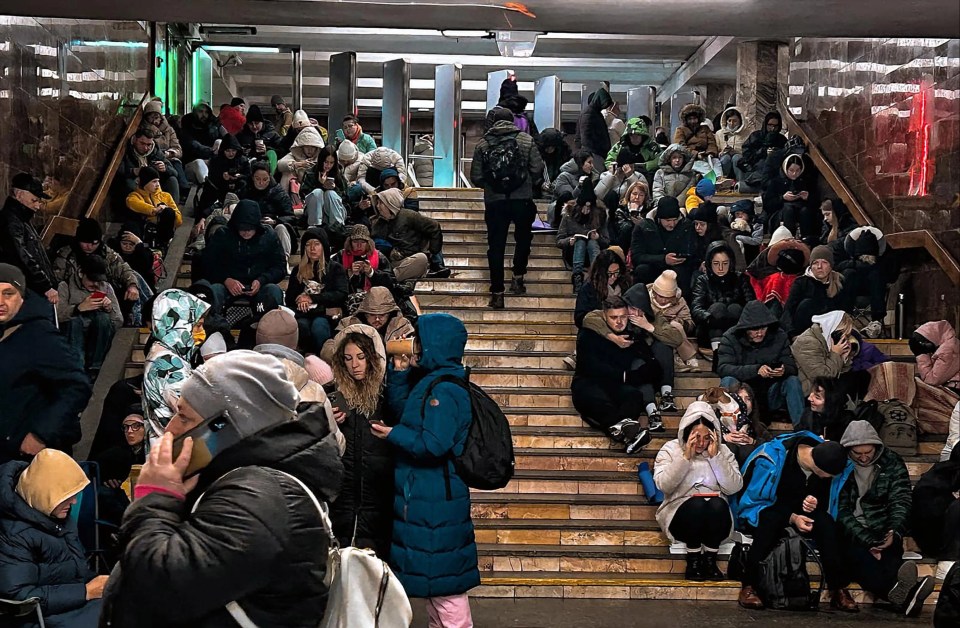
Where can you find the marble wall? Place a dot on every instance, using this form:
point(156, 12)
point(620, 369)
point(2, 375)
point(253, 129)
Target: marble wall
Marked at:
point(67, 90)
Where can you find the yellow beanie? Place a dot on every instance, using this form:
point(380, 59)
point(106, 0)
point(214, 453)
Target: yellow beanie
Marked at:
point(49, 480)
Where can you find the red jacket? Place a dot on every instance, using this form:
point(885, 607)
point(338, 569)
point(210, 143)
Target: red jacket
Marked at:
point(231, 119)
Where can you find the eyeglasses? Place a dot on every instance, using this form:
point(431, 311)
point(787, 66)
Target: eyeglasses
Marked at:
point(615, 273)
point(133, 427)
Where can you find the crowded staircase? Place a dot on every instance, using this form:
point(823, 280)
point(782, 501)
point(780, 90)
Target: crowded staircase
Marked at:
point(574, 521)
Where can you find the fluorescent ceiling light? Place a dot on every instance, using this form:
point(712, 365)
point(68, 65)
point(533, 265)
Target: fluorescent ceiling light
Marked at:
point(110, 44)
point(516, 43)
point(263, 49)
point(464, 34)
point(228, 30)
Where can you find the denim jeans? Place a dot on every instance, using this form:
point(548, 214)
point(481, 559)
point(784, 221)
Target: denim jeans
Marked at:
point(324, 207)
point(221, 295)
point(731, 166)
point(90, 335)
point(314, 332)
point(584, 250)
point(783, 393)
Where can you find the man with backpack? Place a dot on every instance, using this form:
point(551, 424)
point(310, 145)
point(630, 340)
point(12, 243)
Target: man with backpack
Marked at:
point(506, 163)
point(793, 480)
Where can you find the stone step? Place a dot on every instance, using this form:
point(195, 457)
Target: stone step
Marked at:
point(581, 508)
point(509, 376)
point(450, 193)
point(457, 284)
point(440, 210)
point(454, 235)
point(515, 359)
point(453, 300)
point(560, 532)
point(538, 248)
point(460, 273)
point(480, 312)
point(478, 260)
point(893, 348)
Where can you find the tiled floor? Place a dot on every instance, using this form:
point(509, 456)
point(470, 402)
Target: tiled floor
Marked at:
point(492, 613)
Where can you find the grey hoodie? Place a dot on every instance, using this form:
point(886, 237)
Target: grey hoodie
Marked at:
point(862, 433)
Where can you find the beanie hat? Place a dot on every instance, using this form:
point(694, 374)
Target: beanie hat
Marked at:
point(248, 389)
point(213, 345)
point(230, 199)
point(704, 212)
point(509, 87)
point(315, 233)
point(147, 174)
point(386, 173)
point(278, 327)
point(88, 231)
point(318, 370)
point(625, 156)
point(830, 457)
point(12, 275)
point(347, 152)
point(866, 244)
point(587, 195)
point(618, 250)
point(822, 252)
point(779, 234)
point(237, 101)
point(705, 188)
point(746, 206)
point(666, 284)
point(279, 351)
point(49, 480)
point(502, 114)
point(668, 207)
point(276, 100)
point(790, 261)
point(254, 114)
point(152, 106)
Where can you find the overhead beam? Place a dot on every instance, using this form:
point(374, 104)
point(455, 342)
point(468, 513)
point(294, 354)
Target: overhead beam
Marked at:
point(704, 54)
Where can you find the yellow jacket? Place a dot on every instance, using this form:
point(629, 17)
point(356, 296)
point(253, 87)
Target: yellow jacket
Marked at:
point(143, 202)
point(693, 201)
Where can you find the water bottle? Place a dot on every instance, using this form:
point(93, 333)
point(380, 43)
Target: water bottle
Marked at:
point(899, 323)
point(650, 490)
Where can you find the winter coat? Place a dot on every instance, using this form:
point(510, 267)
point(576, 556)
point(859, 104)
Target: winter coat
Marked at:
point(680, 479)
point(646, 156)
point(144, 203)
point(650, 242)
point(42, 557)
point(732, 139)
point(132, 161)
point(67, 264)
point(228, 549)
point(22, 246)
point(165, 135)
point(807, 287)
point(273, 202)
point(755, 148)
point(709, 289)
point(762, 473)
point(229, 256)
point(866, 517)
point(615, 126)
point(602, 362)
point(140, 260)
point(811, 350)
point(592, 134)
point(869, 355)
point(72, 293)
point(220, 164)
point(953, 434)
point(846, 223)
point(43, 387)
point(780, 184)
point(197, 138)
point(306, 137)
point(677, 310)
point(567, 184)
point(311, 181)
point(423, 168)
point(359, 282)
point(333, 290)
point(570, 226)
point(702, 140)
point(670, 182)
point(433, 552)
point(587, 301)
point(167, 364)
point(248, 140)
point(637, 296)
point(409, 232)
point(378, 161)
point(560, 155)
point(531, 157)
point(614, 183)
point(362, 515)
point(376, 301)
point(365, 143)
point(942, 367)
point(742, 359)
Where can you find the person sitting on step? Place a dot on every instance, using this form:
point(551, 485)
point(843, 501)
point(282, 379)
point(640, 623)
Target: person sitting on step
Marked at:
point(664, 242)
point(667, 301)
point(718, 296)
point(408, 238)
point(89, 312)
point(583, 233)
point(697, 473)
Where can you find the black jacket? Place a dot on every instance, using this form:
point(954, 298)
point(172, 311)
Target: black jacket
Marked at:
point(756, 145)
point(197, 138)
point(587, 301)
point(239, 166)
point(650, 242)
point(21, 246)
point(740, 358)
point(600, 360)
point(39, 556)
point(248, 139)
point(273, 202)
point(363, 513)
point(592, 134)
point(334, 293)
point(709, 289)
point(382, 275)
point(932, 495)
point(255, 538)
point(227, 255)
point(140, 260)
point(560, 155)
point(805, 288)
point(131, 163)
point(43, 388)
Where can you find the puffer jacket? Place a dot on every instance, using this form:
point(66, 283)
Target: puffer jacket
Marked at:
point(733, 139)
point(942, 367)
point(670, 182)
point(168, 361)
point(198, 138)
point(592, 134)
point(709, 289)
point(21, 246)
point(614, 184)
point(650, 242)
point(306, 137)
point(362, 515)
point(408, 232)
point(144, 203)
point(646, 155)
point(567, 184)
point(42, 557)
point(701, 140)
point(677, 310)
point(552, 161)
point(258, 561)
point(424, 167)
point(380, 159)
point(165, 135)
point(680, 479)
point(227, 255)
point(807, 287)
point(67, 264)
point(811, 350)
point(434, 552)
point(273, 202)
point(531, 156)
point(867, 516)
point(742, 359)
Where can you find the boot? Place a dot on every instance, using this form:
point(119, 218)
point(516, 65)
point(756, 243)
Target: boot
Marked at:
point(496, 301)
point(748, 598)
point(841, 600)
point(517, 286)
point(694, 567)
point(577, 280)
point(708, 567)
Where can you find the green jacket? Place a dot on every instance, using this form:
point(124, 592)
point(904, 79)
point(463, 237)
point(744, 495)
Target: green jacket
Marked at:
point(886, 506)
point(647, 153)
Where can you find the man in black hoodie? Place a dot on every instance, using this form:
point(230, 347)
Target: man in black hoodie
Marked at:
point(229, 172)
point(592, 133)
point(43, 387)
point(512, 101)
point(762, 144)
point(757, 352)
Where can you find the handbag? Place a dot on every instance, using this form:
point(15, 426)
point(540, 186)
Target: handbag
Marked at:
point(363, 591)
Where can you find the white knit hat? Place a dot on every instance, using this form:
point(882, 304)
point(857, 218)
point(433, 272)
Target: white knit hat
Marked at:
point(348, 152)
point(780, 233)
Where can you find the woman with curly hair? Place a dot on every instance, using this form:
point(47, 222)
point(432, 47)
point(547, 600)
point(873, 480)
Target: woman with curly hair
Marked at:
point(362, 515)
point(607, 277)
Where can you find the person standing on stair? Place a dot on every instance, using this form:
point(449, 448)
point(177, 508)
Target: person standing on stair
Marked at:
point(697, 473)
point(506, 162)
point(20, 244)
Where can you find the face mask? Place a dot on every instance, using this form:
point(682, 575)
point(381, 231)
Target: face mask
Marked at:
point(732, 127)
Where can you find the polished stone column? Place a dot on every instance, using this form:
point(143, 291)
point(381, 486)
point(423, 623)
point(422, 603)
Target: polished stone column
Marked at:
point(763, 72)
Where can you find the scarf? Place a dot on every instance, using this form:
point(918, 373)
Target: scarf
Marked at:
point(357, 134)
point(373, 257)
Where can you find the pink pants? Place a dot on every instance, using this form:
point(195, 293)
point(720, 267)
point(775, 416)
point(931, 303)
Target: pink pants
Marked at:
point(452, 611)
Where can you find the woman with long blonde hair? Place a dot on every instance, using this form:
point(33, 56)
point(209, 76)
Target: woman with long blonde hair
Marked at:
point(317, 290)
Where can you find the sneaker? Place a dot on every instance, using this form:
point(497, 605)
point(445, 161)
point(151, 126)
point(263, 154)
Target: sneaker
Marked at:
point(570, 362)
point(440, 272)
point(693, 364)
point(679, 366)
point(656, 422)
point(667, 403)
point(517, 286)
point(873, 330)
point(942, 568)
point(496, 301)
point(906, 581)
point(638, 442)
point(626, 427)
point(921, 591)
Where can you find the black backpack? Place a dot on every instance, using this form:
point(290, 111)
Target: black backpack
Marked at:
point(504, 165)
point(783, 582)
point(487, 460)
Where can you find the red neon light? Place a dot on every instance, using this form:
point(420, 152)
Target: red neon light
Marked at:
point(919, 172)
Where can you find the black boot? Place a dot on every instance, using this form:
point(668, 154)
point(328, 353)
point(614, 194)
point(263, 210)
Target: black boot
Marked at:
point(496, 301)
point(694, 567)
point(708, 567)
point(517, 286)
point(577, 281)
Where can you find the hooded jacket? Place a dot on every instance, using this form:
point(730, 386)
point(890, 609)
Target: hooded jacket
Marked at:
point(680, 479)
point(227, 549)
point(812, 351)
point(306, 137)
point(196, 137)
point(167, 364)
point(166, 136)
point(592, 132)
point(22, 246)
point(72, 293)
point(755, 148)
point(734, 139)
point(942, 367)
point(645, 156)
point(220, 164)
point(229, 256)
point(531, 159)
point(742, 359)
point(43, 387)
point(515, 103)
point(377, 301)
point(877, 496)
point(409, 232)
point(433, 552)
point(668, 181)
point(650, 242)
point(700, 140)
point(567, 184)
point(709, 289)
point(554, 160)
point(41, 556)
point(780, 184)
point(362, 515)
point(376, 162)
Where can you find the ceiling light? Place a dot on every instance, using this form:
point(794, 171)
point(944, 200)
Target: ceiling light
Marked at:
point(467, 34)
point(261, 49)
point(228, 30)
point(516, 43)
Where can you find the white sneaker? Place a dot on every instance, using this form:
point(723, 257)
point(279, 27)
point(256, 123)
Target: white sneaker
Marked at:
point(873, 330)
point(570, 362)
point(693, 364)
point(942, 568)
